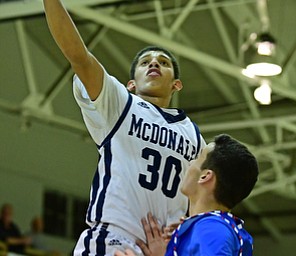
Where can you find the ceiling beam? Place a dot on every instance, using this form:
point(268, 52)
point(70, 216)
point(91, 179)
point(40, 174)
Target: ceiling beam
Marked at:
point(273, 185)
point(266, 223)
point(160, 17)
point(226, 40)
point(235, 57)
point(182, 16)
point(215, 77)
point(177, 10)
point(33, 7)
point(245, 124)
point(154, 38)
point(26, 58)
point(98, 35)
point(263, 15)
point(190, 53)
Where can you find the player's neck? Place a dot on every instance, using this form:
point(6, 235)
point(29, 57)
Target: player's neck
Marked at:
point(201, 206)
point(158, 101)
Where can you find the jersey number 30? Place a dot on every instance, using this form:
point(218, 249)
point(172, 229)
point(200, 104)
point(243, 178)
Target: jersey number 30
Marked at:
point(150, 181)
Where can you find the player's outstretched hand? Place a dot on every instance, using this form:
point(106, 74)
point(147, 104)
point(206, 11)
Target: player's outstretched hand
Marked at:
point(156, 245)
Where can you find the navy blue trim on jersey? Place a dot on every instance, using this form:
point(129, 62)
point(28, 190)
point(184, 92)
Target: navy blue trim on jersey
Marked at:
point(171, 118)
point(95, 187)
point(106, 180)
point(96, 183)
point(107, 162)
point(198, 138)
point(119, 122)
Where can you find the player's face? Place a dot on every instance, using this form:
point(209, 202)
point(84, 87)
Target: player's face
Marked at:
point(189, 186)
point(154, 75)
point(7, 214)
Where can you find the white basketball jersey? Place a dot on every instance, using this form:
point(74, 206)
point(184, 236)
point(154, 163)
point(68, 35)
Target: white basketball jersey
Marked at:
point(144, 152)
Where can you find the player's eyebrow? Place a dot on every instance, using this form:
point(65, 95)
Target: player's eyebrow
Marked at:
point(149, 54)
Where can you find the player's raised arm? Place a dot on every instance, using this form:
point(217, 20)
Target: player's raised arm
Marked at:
point(67, 37)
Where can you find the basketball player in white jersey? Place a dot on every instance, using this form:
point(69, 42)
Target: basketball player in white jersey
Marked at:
point(144, 147)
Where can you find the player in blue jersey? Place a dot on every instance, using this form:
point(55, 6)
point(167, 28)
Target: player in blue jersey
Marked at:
point(220, 178)
point(144, 146)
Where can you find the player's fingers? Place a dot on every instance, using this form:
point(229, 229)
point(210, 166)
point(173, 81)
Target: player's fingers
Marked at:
point(169, 230)
point(173, 226)
point(143, 247)
point(156, 231)
point(158, 225)
point(147, 229)
point(166, 236)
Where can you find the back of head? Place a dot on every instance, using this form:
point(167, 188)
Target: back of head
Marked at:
point(236, 170)
point(159, 49)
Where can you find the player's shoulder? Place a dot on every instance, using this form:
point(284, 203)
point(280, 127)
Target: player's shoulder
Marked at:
point(213, 224)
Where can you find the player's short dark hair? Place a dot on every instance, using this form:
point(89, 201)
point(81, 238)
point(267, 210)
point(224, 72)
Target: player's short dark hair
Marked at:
point(155, 48)
point(236, 169)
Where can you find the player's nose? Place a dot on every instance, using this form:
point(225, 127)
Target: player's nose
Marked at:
point(154, 63)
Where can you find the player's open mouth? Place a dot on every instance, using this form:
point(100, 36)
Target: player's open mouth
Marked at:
point(153, 72)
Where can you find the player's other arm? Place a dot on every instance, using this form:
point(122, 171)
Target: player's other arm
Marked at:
point(67, 37)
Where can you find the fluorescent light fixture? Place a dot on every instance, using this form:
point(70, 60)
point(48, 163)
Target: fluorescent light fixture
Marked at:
point(262, 61)
point(264, 69)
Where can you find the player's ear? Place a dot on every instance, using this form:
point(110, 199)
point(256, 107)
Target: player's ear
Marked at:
point(131, 85)
point(206, 176)
point(178, 85)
